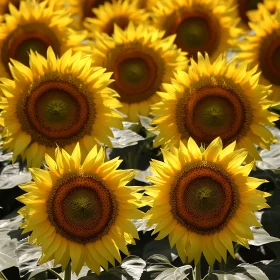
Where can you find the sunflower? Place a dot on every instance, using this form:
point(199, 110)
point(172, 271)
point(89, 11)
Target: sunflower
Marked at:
point(81, 210)
point(220, 99)
point(82, 9)
point(244, 7)
point(200, 25)
point(4, 5)
point(34, 26)
point(263, 49)
point(204, 200)
point(140, 60)
point(57, 102)
point(146, 4)
point(270, 5)
point(119, 12)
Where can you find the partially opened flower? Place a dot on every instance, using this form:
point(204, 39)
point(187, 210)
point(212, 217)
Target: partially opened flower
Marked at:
point(120, 12)
point(200, 25)
point(263, 49)
point(220, 99)
point(204, 200)
point(81, 209)
point(57, 102)
point(34, 26)
point(140, 60)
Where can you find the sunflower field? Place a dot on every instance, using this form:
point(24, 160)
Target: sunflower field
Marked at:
point(140, 139)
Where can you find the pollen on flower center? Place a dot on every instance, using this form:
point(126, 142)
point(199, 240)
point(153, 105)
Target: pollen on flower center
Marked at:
point(81, 208)
point(203, 198)
point(196, 31)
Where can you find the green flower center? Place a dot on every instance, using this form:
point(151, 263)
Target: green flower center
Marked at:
point(204, 196)
point(133, 72)
point(82, 206)
point(136, 75)
point(23, 49)
point(57, 109)
point(196, 32)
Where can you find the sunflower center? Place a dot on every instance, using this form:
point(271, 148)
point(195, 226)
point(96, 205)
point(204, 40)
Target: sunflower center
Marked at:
point(212, 112)
point(270, 59)
point(135, 73)
point(121, 21)
point(56, 112)
point(196, 31)
point(245, 5)
point(81, 208)
point(204, 198)
point(28, 37)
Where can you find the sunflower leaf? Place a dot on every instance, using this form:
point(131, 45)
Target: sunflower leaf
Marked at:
point(28, 256)
point(125, 138)
point(11, 176)
point(261, 237)
point(178, 273)
point(242, 272)
point(271, 268)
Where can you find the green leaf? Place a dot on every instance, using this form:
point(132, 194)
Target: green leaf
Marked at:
point(161, 247)
point(131, 268)
point(125, 138)
point(11, 176)
point(271, 268)
point(156, 264)
point(134, 266)
point(28, 256)
point(145, 121)
point(242, 272)
point(179, 273)
point(9, 236)
point(261, 237)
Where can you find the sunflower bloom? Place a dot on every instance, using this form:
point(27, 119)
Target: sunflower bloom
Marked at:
point(81, 210)
point(120, 12)
point(244, 7)
point(81, 9)
point(140, 60)
point(220, 99)
point(34, 26)
point(269, 5)
point(263, 49)
point(204, 200)
point(200, 25)
point(57, 102)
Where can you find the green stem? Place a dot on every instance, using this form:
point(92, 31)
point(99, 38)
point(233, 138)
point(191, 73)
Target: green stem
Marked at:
point(55, 274)
point(198, 271)
point(67, 273)
point(3, 275)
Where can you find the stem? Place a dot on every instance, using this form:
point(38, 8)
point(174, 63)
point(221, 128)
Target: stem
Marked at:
point(3, 275)
point(67, 273)
point(55, 274)
point(198, 271)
